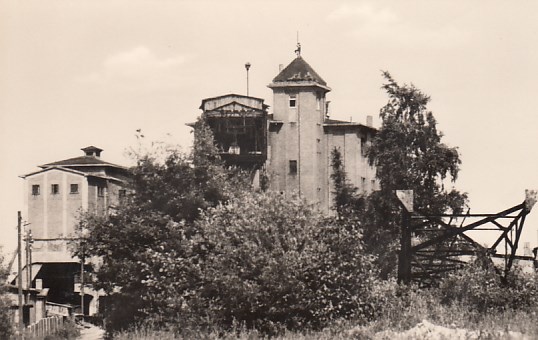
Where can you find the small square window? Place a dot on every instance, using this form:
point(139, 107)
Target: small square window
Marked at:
point(293, 100)
point(101, 191)
point(36, 189)
point(74, 189)
point(55, 189)
point(293, 167)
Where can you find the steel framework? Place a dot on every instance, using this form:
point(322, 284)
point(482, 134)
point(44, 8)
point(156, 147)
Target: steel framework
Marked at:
point(432, 245)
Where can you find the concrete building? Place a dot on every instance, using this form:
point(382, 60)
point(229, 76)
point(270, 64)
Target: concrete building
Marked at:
point(55, 197)
point(292, 146)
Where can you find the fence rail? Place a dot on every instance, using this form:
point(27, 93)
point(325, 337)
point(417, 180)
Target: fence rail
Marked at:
point(45, 326)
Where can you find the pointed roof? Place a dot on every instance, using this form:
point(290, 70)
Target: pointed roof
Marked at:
point(91, 158)
point(298, 71)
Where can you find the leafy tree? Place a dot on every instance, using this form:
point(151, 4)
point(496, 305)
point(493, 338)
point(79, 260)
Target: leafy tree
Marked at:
point(168, 191)
point(408, 154)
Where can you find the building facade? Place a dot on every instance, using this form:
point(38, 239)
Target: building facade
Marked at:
point(55, 198)
point(292, 146)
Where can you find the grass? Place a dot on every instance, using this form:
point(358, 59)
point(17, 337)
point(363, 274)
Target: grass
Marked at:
point(486, 326)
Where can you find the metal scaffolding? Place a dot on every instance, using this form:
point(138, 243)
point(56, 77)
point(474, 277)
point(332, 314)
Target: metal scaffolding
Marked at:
point(432, 245)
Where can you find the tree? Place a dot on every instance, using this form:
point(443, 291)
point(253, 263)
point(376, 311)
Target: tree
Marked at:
point(408, 154)
point(168, 191)
point(346, 199)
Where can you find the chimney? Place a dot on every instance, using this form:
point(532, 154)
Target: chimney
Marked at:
point(369, 121)
point(280, 67)
point(92, 151)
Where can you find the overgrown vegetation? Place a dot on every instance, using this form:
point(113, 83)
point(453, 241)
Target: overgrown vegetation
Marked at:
point(6, 326)
point(194, 252)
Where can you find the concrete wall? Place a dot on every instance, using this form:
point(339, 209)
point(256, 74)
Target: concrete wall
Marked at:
point(359, 173)
point(299, 138)
point(53, 217)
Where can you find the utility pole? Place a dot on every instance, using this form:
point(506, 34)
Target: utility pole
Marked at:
point(19, 276)
point(82, 243)
point(28, 242)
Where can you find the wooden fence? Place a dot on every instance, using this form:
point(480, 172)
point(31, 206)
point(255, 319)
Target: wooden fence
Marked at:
point(45, 326)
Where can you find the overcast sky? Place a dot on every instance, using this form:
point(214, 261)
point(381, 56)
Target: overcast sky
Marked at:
point(79, 73)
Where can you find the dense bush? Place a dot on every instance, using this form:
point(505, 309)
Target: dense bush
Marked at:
point(269, 262)
point(481, 289)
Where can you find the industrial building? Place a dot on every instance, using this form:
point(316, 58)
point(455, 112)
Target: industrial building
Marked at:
point(291, 146)
point(55, 197)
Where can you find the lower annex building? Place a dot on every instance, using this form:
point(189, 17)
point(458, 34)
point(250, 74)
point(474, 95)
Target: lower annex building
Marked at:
point(55, 196)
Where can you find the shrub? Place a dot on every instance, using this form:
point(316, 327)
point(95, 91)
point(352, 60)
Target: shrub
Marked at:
point(276, 262)
point(263, 261)
point(481, 289)
point(6, 326)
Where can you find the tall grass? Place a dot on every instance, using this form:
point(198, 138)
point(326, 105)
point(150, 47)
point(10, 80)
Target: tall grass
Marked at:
point(402, 311)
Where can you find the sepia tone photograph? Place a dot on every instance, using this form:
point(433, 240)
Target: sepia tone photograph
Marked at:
point(268, 169)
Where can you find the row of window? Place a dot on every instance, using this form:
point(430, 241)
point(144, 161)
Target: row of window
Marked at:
point(73, 189)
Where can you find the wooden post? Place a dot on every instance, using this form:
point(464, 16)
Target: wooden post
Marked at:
point(82, 280)
point(404, 260)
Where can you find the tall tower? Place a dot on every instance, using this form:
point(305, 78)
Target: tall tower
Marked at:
point(297, 148)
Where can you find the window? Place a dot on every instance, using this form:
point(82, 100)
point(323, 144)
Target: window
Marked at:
point(293, 167)
point(122, 193)
point(36, 189)
point(74, 189)
point(55, 189)
point(363, 146)
point(100, 191)
point(318, 102)
point(293, 100)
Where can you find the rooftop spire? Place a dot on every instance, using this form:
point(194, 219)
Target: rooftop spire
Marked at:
point(298, 50)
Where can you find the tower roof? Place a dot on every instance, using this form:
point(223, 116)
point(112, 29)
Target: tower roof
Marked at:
point(299, 71)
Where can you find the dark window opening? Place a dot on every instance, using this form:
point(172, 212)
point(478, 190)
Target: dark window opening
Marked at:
point(36, 190)
point(100, 191)
point(122, 193)
point(293, 167)
point(74, 189)
point(363, 146)
point(293, 100)
point(55, 189)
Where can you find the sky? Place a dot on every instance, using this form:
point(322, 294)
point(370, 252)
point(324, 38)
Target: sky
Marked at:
point(79, 73)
